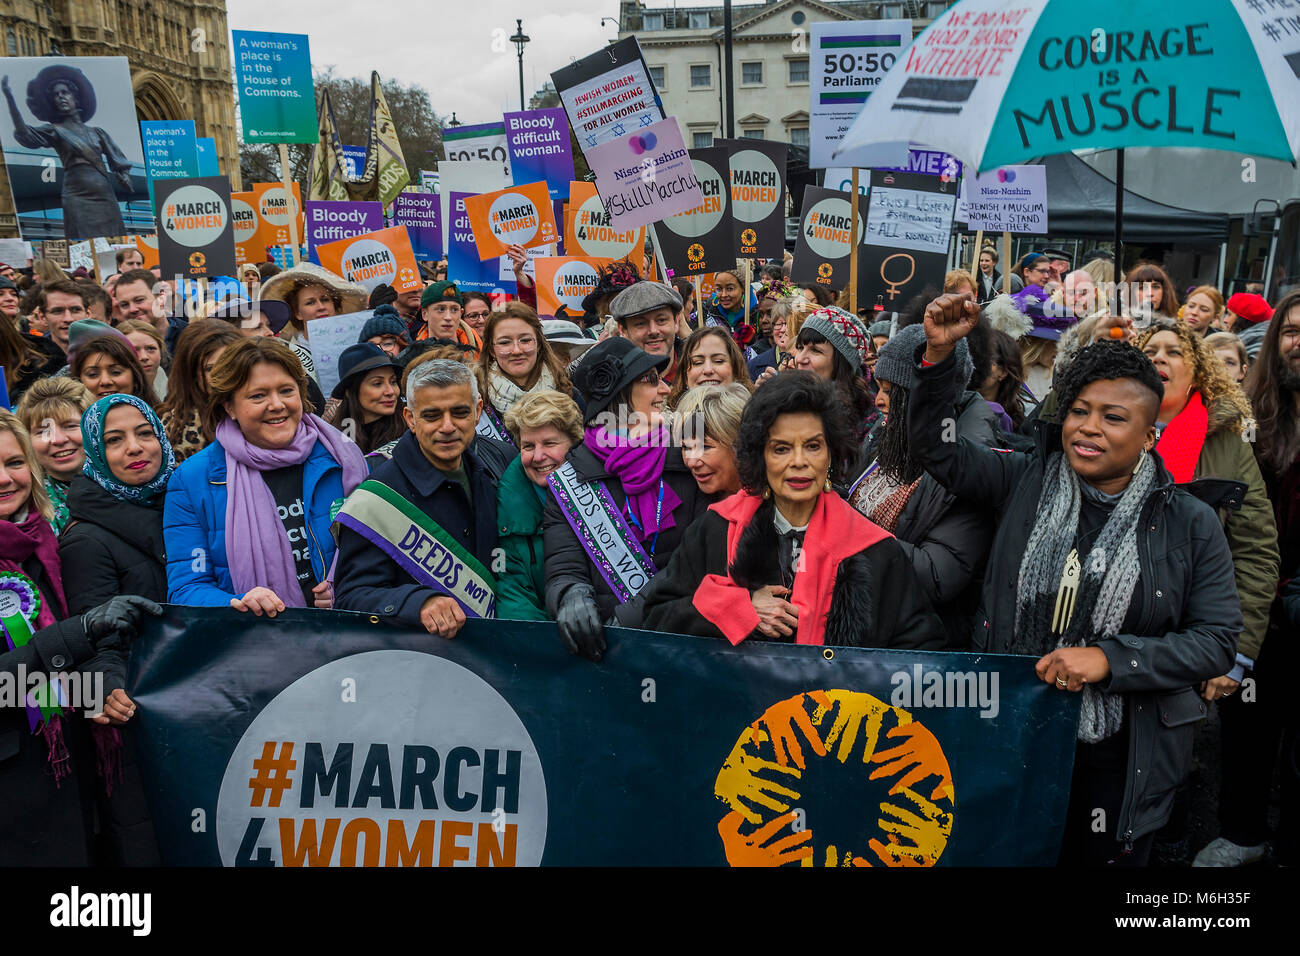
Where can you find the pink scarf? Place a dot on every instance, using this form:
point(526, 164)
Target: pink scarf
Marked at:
point(250, 507)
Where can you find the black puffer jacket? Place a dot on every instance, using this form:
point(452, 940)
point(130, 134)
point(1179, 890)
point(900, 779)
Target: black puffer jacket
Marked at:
point(1182, 624)
point(111, 547)
point(567, 563)
point(857, 617)
point(947, 540)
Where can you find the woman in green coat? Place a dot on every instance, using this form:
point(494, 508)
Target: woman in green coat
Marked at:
point(544, 425)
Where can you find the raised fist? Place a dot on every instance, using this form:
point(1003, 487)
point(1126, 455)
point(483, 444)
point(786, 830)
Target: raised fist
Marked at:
point(948, 320)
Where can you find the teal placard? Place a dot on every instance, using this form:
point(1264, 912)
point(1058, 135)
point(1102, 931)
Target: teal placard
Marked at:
point(277, 102)
point(170, 150)
point(207, 148)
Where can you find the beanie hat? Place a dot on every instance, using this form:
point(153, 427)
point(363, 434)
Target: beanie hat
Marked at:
point(898, 357)
point(382, 294)
point(1249, 306)
point(385, 321)
point(844, 331)
point(439, 291)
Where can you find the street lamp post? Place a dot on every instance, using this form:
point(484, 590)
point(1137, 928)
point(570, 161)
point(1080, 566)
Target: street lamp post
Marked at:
point(519, 39)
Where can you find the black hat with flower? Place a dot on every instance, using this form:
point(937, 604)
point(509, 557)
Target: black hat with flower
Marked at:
point(609, 367)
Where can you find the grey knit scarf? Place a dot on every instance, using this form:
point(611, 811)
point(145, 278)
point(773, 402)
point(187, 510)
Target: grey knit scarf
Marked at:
point(1109, 576)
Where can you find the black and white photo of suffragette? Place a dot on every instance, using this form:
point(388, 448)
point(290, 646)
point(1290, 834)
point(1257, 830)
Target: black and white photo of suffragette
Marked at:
point(94, 168)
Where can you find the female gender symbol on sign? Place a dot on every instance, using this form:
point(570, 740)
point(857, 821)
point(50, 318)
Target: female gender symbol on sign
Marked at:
point(896, 284)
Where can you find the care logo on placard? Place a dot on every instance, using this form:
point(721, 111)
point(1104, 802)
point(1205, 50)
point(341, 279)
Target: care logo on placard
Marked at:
point(695, 252)
point(277, 206)
point(194, 216)
point(513, 218)
point(701, 219)
point(825, 269)
point(386, 758)
point(755, 186)
point(862, 783)
point(369, 261)
point(573, 282)
point(198, 260)
point(244, 218)
point(595, 235)
point(827, 228)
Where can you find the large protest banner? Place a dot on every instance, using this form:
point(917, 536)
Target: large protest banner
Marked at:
point(471, 273)
point(273, 75)
point(608, 94)
point(382, 257)
point(909, 226)
point(518, 215)
point(196, 235)
point(847, 60)
point(821, 250)
point(538, 143)
point(700, 240)
point(355, 743)
point(69, 185)
point(645, 177)
point(757, 177)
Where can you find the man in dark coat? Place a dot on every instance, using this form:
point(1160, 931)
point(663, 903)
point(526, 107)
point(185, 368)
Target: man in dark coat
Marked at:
point(434, 470)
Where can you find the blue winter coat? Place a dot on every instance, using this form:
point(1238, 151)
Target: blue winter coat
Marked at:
point(194, 524)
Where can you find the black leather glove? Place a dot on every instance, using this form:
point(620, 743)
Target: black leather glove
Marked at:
point(115, 621)
point(579, 623)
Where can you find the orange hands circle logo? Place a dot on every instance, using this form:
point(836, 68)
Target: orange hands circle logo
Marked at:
point(695, 252)
point(799, 778)
point(197, 259)
point(749, 237)
point(825, 269)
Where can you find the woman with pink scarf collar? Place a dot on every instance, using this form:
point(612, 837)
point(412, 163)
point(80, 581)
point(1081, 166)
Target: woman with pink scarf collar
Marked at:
point(246, 523)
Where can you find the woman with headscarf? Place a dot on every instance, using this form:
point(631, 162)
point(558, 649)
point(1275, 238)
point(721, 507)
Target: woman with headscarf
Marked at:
point(62, 95)
point(258, 502)
point(114, 545)
point(786, 558)
point(1116, 579)
point(627, 465)
point(51, 412)
point(516, 361)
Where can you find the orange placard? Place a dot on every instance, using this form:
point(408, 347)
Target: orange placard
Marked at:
point(274, 209)
point(587, 231)
point(384, 256)
point(148, 247)
point(563, 282)
point(517, 216)
point(248, 228)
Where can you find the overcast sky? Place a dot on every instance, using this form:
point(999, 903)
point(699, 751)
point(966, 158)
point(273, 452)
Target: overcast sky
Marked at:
point(446, 47)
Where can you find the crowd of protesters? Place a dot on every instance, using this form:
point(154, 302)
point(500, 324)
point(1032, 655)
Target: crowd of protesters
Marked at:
point(1087, 468)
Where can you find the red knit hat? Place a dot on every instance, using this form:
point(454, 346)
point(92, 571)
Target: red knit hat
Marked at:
point(1249, 306)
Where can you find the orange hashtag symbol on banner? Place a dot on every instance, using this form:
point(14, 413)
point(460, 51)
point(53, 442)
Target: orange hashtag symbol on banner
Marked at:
point(272, 773)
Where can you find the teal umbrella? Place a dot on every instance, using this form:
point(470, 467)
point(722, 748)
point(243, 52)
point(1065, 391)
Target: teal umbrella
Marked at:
point(999, 82)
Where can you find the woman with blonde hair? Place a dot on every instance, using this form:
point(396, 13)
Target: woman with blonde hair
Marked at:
point(545, 426)
point(51, 412)
point(706, 423)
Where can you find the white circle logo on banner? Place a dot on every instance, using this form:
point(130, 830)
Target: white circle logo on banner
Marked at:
point(276, 205)
point(385, 758)
point(573, 283)
point(826, 228)
point(703, 218)
point(369, 262)
point(755, 186)
point(596, 236)
point(245, 219)
point(194, 216)
point(513, 218)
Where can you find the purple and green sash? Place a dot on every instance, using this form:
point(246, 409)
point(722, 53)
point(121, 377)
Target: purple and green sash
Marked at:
point(20, 603)
point(603, 531)
point(491, 425)
point(420, 546)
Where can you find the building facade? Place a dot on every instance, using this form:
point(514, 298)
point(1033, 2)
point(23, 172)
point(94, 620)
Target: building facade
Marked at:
point(683, 48)
point(179, 51)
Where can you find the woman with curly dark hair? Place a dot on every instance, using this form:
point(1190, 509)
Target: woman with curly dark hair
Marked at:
point(1116, 579)
point(786, 558)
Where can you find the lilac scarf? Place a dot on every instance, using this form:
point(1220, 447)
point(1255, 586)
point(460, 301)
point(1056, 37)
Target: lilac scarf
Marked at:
point(639, 468)
point(250, 507)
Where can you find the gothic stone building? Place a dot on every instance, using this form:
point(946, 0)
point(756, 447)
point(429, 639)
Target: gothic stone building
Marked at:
point(179, 52)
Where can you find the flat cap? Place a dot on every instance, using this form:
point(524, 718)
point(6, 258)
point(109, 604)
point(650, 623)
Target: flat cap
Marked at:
point(644, 296)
